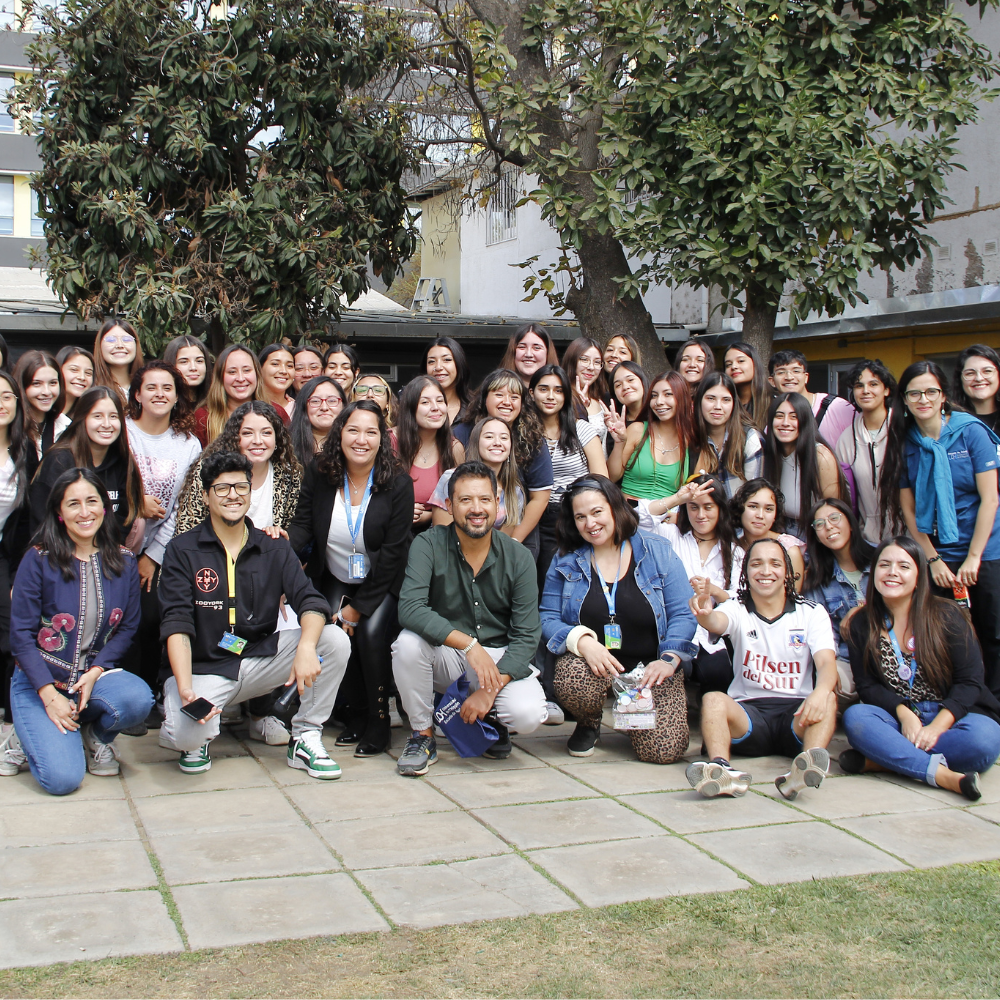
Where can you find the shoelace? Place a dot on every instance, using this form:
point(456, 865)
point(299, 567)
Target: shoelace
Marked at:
point(11, 747)
point(104, 753)
point(415, 743)
point(313, 741)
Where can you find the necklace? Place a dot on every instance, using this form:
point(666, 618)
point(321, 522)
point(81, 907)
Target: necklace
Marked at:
point(354, 487)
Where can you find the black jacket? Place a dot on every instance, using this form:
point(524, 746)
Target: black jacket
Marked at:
point(194, 597)
point(113, 473)
point(387, 534)
point(968, 692)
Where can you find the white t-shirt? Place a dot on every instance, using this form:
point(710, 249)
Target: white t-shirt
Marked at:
point(775, 659)
point(339, 546)
point(8, 491)
point(261, 511)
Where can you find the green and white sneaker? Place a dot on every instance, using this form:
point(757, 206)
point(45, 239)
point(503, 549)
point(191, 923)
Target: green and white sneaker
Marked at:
point(308, 754)
point(195, 761)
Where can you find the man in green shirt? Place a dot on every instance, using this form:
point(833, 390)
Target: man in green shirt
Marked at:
point(468, 605)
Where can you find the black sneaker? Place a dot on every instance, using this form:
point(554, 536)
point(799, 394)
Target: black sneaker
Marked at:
point(418, 755)
point(500, 750)
point(583, 741)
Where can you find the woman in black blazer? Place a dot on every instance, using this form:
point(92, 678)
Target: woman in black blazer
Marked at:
point(358, 558)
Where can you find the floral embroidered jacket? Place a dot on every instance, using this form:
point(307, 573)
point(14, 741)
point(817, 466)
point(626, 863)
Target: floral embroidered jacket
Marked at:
point(47, 614)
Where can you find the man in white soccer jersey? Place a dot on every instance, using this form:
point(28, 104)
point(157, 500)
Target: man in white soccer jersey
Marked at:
point(782, 699)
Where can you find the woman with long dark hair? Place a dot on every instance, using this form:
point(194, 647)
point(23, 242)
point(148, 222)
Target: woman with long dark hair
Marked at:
point(42, 397)
point(343, 364)
point(309, 363)
point(947, 475)
point(651, 459)
point(445, 360)
point(758, 511)
point(236, 379)
point(77, 369)
point(277, 376)
point(96, 439)
point(694, 361)
point(977, 384)
point(837, 577)
point(527, 350)
point(797, 459)
point(191, 358)
point(749, 374)
point(584, 366)
point(629, 388)
point(316, 407)
point(355, 512)
point(862, 448)
point(925, 710)
point(727, 443)
point(117, 356)
point(614, 598)
point(424, 442)
point(75, 610)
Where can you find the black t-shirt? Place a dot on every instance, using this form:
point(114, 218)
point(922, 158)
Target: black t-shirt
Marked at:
point(990, 419)
point(634, 615)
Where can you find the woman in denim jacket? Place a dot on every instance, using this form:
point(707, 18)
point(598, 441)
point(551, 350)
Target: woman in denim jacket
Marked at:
point(839, 563)
point(635, 604)
point(75, 611)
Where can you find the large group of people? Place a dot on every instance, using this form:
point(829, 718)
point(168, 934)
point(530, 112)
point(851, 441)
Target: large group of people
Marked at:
point(283, 538)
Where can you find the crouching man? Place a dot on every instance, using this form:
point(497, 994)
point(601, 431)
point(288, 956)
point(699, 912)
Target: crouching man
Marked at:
point(220, 589)
point(781, 700)
point(468, 605)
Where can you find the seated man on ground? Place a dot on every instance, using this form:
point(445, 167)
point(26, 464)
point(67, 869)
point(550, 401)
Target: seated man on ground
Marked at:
point(468, 605)
point(220, 590)
point(782, 699)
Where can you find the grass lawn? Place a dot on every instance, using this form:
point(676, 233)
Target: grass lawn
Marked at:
point(918, 934)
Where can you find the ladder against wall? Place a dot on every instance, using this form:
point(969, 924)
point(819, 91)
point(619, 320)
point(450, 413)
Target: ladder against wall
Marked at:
point(431, 296)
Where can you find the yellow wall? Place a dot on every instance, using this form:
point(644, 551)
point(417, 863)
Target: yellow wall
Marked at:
point(441, 253)
point(22, 206)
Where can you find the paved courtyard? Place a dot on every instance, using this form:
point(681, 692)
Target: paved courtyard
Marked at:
point(252, 851)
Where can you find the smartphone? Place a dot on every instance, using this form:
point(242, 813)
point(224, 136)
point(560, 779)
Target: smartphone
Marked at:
point(198, 709)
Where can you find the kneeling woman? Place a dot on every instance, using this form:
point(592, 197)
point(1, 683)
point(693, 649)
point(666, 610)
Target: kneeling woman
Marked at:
point(926, 711)
point(619, 582)
point(74, 613)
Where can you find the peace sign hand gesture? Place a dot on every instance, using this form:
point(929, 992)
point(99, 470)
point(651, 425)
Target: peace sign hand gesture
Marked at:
point(614, 421)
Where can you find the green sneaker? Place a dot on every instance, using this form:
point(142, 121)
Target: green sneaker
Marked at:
point(308, 754)
point(195, 761)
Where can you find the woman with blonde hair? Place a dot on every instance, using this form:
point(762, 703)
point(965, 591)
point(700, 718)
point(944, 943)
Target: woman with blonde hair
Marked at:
point(236, 379)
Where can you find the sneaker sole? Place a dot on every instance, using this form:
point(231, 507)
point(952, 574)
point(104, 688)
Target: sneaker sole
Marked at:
point(581, 753)
point(200, 769)
point(501, 754)
point(8, 771)
point(713, 780)
point(104, 772)
point(414, 772)
point(301, 765)
point(812, 772)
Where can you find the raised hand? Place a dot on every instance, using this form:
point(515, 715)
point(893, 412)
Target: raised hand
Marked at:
point(614, 421)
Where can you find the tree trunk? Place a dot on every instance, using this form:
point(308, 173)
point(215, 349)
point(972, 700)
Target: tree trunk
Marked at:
point(758, 319)
point(602, 314)
point(216, 337)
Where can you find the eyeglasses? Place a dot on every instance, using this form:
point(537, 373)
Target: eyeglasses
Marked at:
point(7, 398)
point(589, 363)
point(318, 402)
point(794, 372)
point(831, 519)
point(370, 390)
point(986, 374)
point(915, 395)
point(224, 489)
point(124, 338)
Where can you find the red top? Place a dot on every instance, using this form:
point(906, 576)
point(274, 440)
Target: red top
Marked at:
point(424, 481)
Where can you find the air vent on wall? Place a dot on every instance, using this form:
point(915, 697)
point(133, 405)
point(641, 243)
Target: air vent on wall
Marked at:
point(990, 248)
point(944, 253)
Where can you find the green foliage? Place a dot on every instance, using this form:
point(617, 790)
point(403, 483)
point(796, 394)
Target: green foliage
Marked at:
point(765, 144)
point(222, 173)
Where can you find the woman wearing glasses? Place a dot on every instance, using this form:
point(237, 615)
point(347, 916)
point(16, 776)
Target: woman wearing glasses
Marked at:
point(316, 408)
point(376, 389)
point(308, 364)
point(117, 356)
point(945, 461)
point(584, 365)
point(837, 577)
point(977, 383)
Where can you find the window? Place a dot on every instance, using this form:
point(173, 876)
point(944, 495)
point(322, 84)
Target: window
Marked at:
point(8, 16)
point(6, 119)
point(501, 213)
point(37, 224)
point(6, 205)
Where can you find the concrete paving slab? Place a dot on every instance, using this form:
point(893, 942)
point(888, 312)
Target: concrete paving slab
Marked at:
point(507, 787)
point(334, 801)
point(636, 869)
point(941, 837)
point(481, 889)
point(86, 926)
point(147, 750)
point(22, 789)
point(161, 778)
point(689, 812)
point(557, 823)
point(215, 811)
point(74, 868)
point(612, 746)
point(857, 795)
point(368, 769)
point(415, 840)
point(989, 785)
point(626, 777)
point(234, 913)
point(797, 852)
point(66, 821)
point(262, 853)
point(989, 812)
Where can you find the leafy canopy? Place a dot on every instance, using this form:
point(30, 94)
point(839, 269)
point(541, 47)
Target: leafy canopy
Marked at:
point(227, 173)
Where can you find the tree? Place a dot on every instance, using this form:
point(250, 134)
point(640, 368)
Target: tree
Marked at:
point(789, 145)
point(221, 173)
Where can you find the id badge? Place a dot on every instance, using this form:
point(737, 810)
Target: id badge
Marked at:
point(356, 566)
point(232, 643)
point(612, 636)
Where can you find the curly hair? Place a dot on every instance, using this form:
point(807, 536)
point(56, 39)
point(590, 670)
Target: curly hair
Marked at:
point(182, 414)
point(738, 504)
point(743, 593)
point(331, 462)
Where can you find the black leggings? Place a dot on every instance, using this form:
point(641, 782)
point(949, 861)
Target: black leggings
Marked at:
point(145, 656)
point(367, 685)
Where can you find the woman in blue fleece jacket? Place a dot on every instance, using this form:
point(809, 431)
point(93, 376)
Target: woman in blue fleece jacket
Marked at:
point(74, 613)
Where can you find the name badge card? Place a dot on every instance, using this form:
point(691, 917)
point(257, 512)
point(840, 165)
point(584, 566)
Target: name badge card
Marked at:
point(232, 643)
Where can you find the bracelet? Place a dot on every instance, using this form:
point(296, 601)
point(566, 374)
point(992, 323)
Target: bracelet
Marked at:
point(467, 648)
point(934, 560)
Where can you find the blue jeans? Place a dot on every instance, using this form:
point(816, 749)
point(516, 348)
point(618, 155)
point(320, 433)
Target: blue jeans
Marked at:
point(56, 759)
point(972, 743)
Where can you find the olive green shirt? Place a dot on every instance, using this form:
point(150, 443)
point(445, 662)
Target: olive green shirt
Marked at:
point(499, 605)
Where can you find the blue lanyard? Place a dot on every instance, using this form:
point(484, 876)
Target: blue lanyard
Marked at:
point(906, 672)
point(364, 506)
point(609, 595)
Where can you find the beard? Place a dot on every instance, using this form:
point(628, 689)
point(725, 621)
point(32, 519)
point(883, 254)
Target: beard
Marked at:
point(471, 532)
point(231, 523)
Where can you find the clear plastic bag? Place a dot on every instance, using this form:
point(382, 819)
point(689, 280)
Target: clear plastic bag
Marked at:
point(633, 707)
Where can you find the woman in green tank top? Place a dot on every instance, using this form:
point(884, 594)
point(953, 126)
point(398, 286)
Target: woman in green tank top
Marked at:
point(650, 457)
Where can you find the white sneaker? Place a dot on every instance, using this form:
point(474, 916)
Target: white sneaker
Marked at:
point(102, 758)
point(308, 754)
point(269, 730)
point(556, 715)
point(12, 757)
point(710, 779)
point(808, 771)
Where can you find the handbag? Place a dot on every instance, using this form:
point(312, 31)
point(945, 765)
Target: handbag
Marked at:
point(468, 739)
